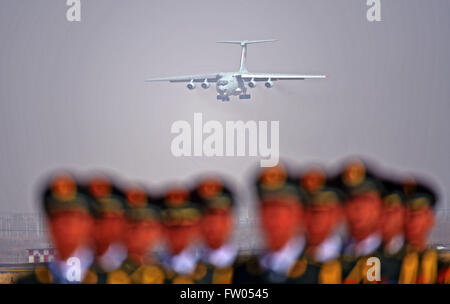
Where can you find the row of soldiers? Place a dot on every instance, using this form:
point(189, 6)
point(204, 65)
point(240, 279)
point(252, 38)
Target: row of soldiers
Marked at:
point(112, 231)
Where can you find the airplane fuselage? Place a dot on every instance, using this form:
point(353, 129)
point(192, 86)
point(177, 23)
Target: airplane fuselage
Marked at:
point(229, 85)
point(235, 83)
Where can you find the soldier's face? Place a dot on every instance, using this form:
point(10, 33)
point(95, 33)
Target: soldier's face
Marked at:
point(418, 224)
point(280, 222)
point(109, 228)
point(321, 221)
point(179, 235)
point(216, 227)
point(70, 230)
point(363, 214)
point(140, 236)
point(392, 221)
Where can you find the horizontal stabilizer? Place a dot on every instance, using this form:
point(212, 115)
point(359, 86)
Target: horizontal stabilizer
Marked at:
point(245, 42)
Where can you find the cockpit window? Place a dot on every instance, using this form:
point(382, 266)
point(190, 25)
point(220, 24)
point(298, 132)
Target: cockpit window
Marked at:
point(222, 82)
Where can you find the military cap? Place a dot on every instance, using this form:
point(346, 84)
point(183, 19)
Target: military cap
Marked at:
point(312, 180)
point(393, 194)
point(62, 193)
point(211, 192)
point(139, 205)
point(106, 197)
point(177, 206)
point(418, 194)
point(318, 188)
point(276, 182)
point(357, 178)
point(328, 193)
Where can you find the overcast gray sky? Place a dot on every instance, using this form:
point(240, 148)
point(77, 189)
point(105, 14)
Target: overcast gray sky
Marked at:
point(73, 94)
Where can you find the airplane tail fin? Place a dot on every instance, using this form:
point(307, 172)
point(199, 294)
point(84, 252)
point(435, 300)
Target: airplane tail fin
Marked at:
point(244, 44)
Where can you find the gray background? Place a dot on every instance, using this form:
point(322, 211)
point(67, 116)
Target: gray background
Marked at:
point(73, 94)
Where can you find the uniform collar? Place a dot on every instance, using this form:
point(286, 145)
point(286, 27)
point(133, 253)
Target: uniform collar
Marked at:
point(113, 257)
point(221, 257)
point(365, 247)
point(62, 269)
point(282, 260)
point(395, 244)
point(183, 262)
point(329, 249)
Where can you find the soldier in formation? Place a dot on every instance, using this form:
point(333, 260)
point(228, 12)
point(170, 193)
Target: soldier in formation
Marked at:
point(318, 226)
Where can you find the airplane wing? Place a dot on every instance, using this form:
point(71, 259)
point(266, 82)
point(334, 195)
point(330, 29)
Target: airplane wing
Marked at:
point(188, 78)
point(267, 76)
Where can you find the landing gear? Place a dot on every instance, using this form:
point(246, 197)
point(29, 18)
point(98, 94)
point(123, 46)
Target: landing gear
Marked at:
point(244, 96)
point(223, 98)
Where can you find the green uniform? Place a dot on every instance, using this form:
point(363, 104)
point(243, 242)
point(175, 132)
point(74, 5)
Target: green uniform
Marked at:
point(302, 271)
point(391, 263)
point(355, 268)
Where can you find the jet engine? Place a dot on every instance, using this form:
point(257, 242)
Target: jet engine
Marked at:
point(206, 84)
point(268, 84)
point(191, 85)
point(251, 84)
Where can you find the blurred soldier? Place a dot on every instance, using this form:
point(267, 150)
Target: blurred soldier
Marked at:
point(219, 253)
point(323, 213)
point(281, 211)
point(181, 225)
point(421, 264)
point(392, 224)
point(142, 231)
point(363, 208)
point(70, 226)
point(109, 225)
